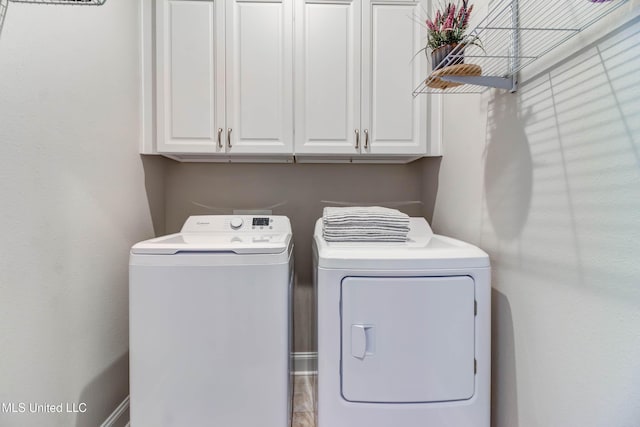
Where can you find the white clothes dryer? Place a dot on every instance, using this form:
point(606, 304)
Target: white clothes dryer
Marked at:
point(403, 332)
point(210, 324)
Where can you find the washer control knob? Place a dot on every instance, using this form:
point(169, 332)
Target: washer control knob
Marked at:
point(236, 223)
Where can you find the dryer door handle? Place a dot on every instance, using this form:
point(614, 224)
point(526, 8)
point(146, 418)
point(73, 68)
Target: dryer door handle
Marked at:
point(361, 341)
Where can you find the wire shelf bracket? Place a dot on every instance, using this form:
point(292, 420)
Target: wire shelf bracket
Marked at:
point(513, 36)
point(65, 2)
point(3, 12)
point(4, 5)
point(507, 83)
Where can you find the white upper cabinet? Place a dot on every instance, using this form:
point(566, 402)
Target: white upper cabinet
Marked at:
point(190, 69)
point(265, 80)
point(259, 79)
point(327, 70)
point(392, 119)
point(224, 76)
point(355, 71)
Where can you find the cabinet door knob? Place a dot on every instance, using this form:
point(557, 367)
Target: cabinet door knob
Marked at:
point(366, 139)
point(229, 137)
point(219, 137)
point(357, 139)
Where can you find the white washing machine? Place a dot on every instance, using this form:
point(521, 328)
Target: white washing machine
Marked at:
point(210, 324)
point(403, 332)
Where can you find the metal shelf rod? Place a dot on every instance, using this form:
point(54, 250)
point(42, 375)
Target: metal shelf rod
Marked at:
point(531, 29)
point(498, 56)
point(489, 81)
point(63, 2)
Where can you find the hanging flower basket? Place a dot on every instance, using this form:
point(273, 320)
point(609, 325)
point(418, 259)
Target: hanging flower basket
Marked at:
point(446, 35)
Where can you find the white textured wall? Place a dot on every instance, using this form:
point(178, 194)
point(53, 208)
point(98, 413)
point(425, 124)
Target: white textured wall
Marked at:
point(547, 181)
point(72, 201)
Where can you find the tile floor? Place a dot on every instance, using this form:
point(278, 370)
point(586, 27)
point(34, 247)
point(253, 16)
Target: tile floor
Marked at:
point(304, 401)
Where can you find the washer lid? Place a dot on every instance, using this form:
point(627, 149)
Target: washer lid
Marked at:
point(266, 243)
point(423, 250)
point(241, 234)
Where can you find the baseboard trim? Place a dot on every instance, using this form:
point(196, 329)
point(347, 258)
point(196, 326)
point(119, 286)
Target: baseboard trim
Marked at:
point(114, 419)
point(305, 363)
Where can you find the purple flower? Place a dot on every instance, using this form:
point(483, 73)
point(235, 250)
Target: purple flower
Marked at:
point(465, 21)
point(431, 25)
point(449, 23)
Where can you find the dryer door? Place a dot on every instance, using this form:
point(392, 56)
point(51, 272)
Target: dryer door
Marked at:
point(408, 339)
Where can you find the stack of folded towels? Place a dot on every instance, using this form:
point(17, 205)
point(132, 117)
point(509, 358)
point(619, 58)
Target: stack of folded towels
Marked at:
point(364, 224)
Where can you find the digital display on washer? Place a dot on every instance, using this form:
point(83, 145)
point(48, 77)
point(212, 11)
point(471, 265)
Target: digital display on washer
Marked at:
point(260, 221)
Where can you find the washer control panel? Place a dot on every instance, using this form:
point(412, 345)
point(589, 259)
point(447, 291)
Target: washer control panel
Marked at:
point(237, 223)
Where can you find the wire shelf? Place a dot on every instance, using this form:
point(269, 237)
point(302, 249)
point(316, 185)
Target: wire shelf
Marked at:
point(3, 12)
point(4, 5)
point(513, 36)
point(67, 2)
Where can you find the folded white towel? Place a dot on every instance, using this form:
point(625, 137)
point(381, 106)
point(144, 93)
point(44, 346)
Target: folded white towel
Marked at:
point(364, 239)
point(373, 223)
point(331, 214)
point(365, 230)
point(367, 227)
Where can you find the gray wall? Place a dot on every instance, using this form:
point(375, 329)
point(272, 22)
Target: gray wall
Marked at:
point(297, 191)
point(73, 202)
point(547, 181)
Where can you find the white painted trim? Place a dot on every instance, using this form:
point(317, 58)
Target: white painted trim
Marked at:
point(147, 71)
point(381, 159)
point(116, 414)
point(205, 158)
point(305, 363)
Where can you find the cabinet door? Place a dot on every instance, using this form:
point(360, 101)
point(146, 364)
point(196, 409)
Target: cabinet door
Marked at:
point(259, 77)
point(327, 73)
point(190, 69)
point(394, 120)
